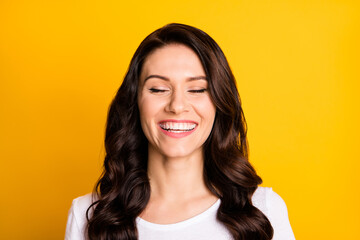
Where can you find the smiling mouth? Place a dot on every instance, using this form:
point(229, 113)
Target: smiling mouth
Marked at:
point(178, 127)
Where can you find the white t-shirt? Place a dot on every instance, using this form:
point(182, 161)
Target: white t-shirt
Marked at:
point(203, 226)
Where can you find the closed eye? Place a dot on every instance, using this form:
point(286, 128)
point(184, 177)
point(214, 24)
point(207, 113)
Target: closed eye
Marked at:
point(198, 90)
point(155, 90)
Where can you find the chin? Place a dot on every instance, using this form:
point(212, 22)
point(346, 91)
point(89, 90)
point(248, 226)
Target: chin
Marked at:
point(176, 150)
point(176, 154)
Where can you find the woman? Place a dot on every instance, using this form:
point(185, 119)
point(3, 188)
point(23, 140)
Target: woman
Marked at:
point(176, 162)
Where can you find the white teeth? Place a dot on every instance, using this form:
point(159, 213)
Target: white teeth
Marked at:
point(177, 127)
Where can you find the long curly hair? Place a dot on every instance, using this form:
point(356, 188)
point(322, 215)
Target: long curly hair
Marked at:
point(123, 190)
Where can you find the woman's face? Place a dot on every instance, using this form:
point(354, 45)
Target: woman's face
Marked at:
point(176, 111)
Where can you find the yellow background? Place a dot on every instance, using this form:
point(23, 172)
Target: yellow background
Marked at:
point(296, 63)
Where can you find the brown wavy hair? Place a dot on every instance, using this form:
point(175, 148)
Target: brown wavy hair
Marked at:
point(123, 190)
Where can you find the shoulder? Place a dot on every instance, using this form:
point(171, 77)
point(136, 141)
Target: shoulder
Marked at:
point(77, 220)
point(274, 208)
point(82, 203)
point(266, 199)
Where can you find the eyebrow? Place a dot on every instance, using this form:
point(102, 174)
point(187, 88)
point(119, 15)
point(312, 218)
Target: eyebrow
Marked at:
point(167, 79)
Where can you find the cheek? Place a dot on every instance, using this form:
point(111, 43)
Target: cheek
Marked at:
point(145, 114)
point(206, 109)
point(148, 109)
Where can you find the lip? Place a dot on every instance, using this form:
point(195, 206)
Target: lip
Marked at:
point(180, 134)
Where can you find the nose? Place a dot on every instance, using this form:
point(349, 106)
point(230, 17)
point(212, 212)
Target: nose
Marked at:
point(177, 103)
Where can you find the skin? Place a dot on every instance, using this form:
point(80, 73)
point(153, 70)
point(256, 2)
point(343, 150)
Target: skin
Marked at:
point(173, 86)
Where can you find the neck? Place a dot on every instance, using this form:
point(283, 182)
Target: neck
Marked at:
point(176, 179)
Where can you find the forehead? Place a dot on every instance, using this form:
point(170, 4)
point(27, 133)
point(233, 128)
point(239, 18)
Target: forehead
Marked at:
point(173, 59)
